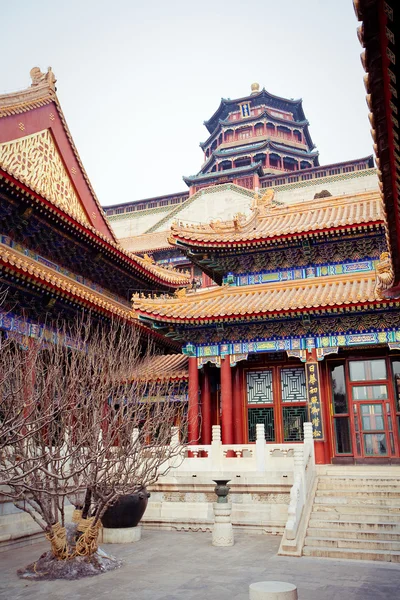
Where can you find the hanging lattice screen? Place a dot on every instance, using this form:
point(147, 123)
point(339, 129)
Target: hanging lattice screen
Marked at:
point(265, 416)
point(293, 419)
point(259, 387)
point(293, 385)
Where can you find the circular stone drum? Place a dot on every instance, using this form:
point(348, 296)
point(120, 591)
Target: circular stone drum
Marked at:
point(272, 590)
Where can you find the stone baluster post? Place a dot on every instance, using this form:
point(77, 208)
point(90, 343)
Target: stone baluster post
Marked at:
point(298, 460)
point(174, 436)
point(260, 447)
point(216, 448)
point(135, 436)
point(308, 437)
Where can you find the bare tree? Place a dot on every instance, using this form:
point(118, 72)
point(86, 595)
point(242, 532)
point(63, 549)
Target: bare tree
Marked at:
point(82, 422)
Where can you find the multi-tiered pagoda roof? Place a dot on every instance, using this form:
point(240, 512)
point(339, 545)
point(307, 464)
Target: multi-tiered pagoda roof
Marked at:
point(254, 136)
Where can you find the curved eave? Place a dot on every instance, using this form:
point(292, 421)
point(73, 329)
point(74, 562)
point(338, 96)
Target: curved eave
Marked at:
point(268, 143)
point(92, 236)
point(262, 241)
point(229, 172)
point(335, 309)
point(263, 92)
point(41, 278)
point(301, 124)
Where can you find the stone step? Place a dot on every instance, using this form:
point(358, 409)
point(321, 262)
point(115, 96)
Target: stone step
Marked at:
point(353, 523)
point(350, 554)
point(358, 470)
point(349, 534)
point(355, 501)
point(359, 486)
point(356, 493)
point(344, 510)
point(356, 517)
point(355, 544)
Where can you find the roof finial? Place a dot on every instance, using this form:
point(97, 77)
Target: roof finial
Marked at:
point(255, 88)
point(39, 78)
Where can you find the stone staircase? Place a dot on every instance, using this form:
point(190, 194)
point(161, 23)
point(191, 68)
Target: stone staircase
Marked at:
point(356, 514)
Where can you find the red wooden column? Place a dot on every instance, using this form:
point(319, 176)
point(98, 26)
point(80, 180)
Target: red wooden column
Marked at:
point(206, 407)
point(193, 408)
point(237, 407)
point(226, 401)
point(321, 447)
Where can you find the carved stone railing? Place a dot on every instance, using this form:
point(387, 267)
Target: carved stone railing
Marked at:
point(301, 495)
point(256, 458)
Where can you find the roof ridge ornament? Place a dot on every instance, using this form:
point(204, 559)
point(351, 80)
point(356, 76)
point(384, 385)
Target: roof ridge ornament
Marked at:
point(255, 88)
point(39, 78)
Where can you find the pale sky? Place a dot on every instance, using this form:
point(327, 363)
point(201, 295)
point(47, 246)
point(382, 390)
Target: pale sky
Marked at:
point(137, 79)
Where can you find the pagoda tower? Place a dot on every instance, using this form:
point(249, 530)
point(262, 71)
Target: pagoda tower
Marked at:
point(253, 137)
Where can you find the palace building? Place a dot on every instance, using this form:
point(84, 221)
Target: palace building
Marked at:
point(291, 322)
point(58, 254)
point(285, 316)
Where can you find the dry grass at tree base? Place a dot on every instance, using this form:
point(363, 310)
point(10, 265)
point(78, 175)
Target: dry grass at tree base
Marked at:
point(48, 567)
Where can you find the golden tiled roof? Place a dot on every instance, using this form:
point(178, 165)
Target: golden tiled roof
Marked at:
point(42, 92)
point(147, 242)
point(163, 368)
point(270, 221)
point(10, 258)
point(241, 302)
point(149, 269)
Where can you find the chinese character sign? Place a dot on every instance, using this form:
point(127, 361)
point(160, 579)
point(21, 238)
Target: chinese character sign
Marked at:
point(245, 110)
point(314, 399)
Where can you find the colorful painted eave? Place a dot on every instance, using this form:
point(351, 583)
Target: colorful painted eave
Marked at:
point(143, 268)
point(61, 285)
point(270, 223)
point(318, 295)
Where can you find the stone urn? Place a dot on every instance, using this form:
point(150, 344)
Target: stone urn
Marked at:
point(222, 490)
point(127, 511)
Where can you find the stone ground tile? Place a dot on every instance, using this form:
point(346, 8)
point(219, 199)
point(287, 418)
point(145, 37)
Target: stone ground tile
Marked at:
point(169, 565)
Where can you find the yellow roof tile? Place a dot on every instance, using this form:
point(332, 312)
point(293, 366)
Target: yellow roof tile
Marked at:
point(261, 299)
point(272, 221)
point(163, 368)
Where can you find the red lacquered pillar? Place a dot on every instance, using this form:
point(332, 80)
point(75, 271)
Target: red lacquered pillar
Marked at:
point(206, 407)
point(237, 408)
point(226, 401)
point(193, 408)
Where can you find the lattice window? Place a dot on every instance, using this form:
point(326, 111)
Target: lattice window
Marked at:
point(293, 385)
point(265, 416)
point(293, 419)
point(259, 387)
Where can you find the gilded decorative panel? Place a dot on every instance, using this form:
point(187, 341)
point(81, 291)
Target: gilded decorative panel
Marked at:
point(35, 161)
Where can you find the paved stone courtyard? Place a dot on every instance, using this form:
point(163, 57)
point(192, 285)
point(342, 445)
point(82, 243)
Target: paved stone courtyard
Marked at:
point(167, 565)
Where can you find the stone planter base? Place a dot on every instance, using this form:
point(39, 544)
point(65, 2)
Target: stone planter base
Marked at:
point(123, 535)
point(222, 533)
point(272, 590)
